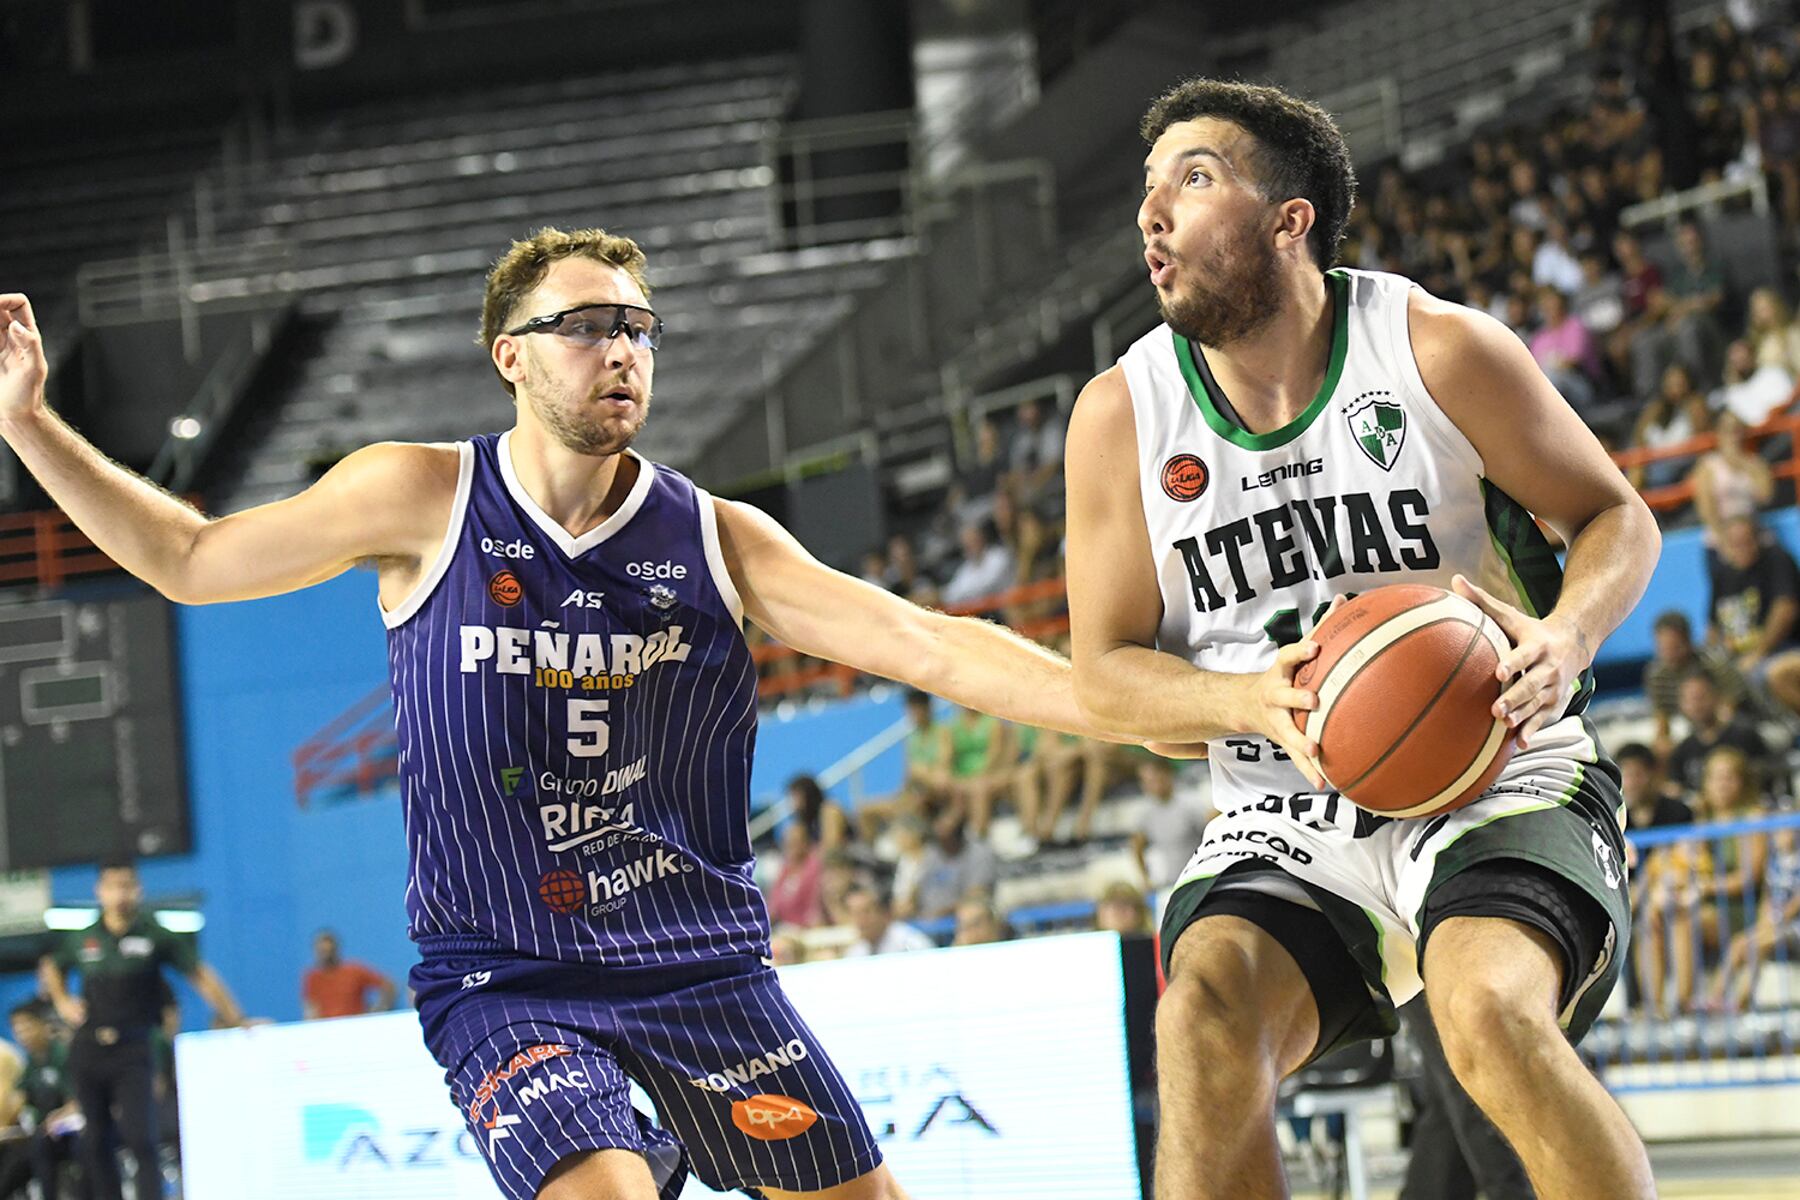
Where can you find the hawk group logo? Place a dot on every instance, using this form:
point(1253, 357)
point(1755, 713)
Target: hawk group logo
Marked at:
point(563, 890)
point(505, 589)
point(771, 1118)
point(1379, 427)
point(1184, 477)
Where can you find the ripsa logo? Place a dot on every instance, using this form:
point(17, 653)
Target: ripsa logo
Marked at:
point(581, 599)
point(518, 548)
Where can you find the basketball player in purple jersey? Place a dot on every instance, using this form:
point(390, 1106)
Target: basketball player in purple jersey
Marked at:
point(576, 711)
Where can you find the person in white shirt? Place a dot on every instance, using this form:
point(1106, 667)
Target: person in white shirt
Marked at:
point(877, 931)
point(1169, 831)
point(987, 568)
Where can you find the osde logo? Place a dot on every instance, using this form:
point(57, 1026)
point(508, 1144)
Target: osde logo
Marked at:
point(518, 548)
point(661, 570)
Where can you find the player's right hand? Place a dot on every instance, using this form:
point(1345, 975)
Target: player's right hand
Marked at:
point(23, 367)
point(1274, 700)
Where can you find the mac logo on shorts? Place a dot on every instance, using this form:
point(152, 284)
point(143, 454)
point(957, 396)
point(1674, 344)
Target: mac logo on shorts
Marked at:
point(772, 1118)
point(1184, 477)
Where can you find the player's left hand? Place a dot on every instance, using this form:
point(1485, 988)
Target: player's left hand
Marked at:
point(1546, 657)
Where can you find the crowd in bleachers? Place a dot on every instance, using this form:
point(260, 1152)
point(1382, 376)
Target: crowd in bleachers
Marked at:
point(1654, 339)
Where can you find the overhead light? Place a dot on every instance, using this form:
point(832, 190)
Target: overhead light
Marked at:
point(70, 918)
point(185, 428)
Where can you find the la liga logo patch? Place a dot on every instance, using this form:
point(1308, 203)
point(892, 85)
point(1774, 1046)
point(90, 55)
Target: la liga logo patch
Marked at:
point(1184, 477)
point(505, 589)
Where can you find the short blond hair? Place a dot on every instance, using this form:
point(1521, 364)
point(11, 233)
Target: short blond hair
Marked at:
point(525, 263)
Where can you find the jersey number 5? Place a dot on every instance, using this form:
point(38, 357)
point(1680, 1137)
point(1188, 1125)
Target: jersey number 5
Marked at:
point(1284, 627)
point(589, 734)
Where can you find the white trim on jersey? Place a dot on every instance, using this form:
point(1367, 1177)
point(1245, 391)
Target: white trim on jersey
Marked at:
point(575, 547)
point(465, 479)
point(715, 558)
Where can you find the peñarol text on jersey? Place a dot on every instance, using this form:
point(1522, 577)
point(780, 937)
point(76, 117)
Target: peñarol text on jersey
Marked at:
point(576, 720)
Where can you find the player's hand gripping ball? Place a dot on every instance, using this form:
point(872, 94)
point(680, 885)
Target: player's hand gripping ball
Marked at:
point(1406, 681)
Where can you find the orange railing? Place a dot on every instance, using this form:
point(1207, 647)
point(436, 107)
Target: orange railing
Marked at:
point(45, 548)
point(811, 672)
point(1674, 495)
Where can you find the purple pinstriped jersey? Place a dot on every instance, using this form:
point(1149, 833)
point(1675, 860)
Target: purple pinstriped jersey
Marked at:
point(576, 721)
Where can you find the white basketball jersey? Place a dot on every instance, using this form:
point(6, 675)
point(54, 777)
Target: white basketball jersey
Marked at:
point(1372, 484)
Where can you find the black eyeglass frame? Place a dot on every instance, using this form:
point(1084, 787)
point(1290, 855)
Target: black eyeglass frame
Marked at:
point(549, 321)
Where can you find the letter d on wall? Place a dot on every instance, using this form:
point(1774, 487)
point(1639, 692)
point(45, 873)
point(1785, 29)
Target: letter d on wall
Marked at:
point(324, 33)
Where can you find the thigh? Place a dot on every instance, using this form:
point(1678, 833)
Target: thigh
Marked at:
point(134, 1090)
point(1543, 851)
point(540, 1089)
point(615, 1174)
point(738, 1076)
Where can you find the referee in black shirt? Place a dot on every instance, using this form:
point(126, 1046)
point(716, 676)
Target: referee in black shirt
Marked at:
point(112, 1066)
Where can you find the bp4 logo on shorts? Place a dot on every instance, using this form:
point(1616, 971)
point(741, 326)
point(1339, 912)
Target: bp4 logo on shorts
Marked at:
point(772, 1118)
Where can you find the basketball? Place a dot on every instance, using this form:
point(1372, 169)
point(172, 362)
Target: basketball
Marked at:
point(1406, 687)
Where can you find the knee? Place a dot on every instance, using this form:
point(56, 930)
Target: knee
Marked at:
point(1491, 1025)
point(1208, 1015)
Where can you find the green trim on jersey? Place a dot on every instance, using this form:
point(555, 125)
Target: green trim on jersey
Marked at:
point(1334, 367)
point(1532, 565)
point(1529, 559)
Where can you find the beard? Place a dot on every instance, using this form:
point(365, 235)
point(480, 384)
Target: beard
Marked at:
point(1226, 296)
point(576, 419)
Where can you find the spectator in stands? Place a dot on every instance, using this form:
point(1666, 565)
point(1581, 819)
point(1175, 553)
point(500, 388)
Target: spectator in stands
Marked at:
point(794, 896)
point(979, 482)
point(1750, 392)
point(987, 567)
point(1122, 909)
point(1037, 454)
point(909, 865)
point(903, 576)
point(1697, 891)
point(1674, 657)
point(786, 948)
point(1773, 332)
point(838, 874)
point(1711, 723)
point(954, 867)
point(1696, 294)
point(1055, 764)
point(1730, 481)
point(1775, 933)
point(1673, 416)
point(1638, 341)
point(978, 922)
point(925, 785)
point(1600, 300)
point(1755, 602)
point(1647, 803)
point(1774, 123)
point(808, 804)
point(1566, 350)
point(1169, 830)
point(1553, 264)
point(874, 568)
point(876, 930)
point(338, 987)
point(981, 766)
point(37, 1114)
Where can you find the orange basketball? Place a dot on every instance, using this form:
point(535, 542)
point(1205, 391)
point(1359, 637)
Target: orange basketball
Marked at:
point(1406, 687)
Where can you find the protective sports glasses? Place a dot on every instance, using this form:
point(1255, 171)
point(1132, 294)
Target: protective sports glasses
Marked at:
point(593, 325)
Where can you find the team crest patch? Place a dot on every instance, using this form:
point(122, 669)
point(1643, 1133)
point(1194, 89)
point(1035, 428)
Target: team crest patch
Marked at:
point(1184, 477)
point(1379, 427)
point(661, 596)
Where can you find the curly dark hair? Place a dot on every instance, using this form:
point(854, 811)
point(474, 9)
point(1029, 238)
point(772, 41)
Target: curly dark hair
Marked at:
point(1299, 151)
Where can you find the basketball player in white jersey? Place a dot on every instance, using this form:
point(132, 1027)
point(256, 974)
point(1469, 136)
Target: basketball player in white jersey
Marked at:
point(1294, 434)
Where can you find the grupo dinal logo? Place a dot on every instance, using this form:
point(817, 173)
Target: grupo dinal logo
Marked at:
point(348, 1137)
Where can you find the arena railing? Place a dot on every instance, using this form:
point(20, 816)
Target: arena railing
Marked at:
point(1711, 996)
point(1672, 496)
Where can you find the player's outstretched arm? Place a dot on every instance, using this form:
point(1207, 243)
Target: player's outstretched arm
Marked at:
point(376, 503)
point(1115, 607)
point(1537, 450)
point(805, 604)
